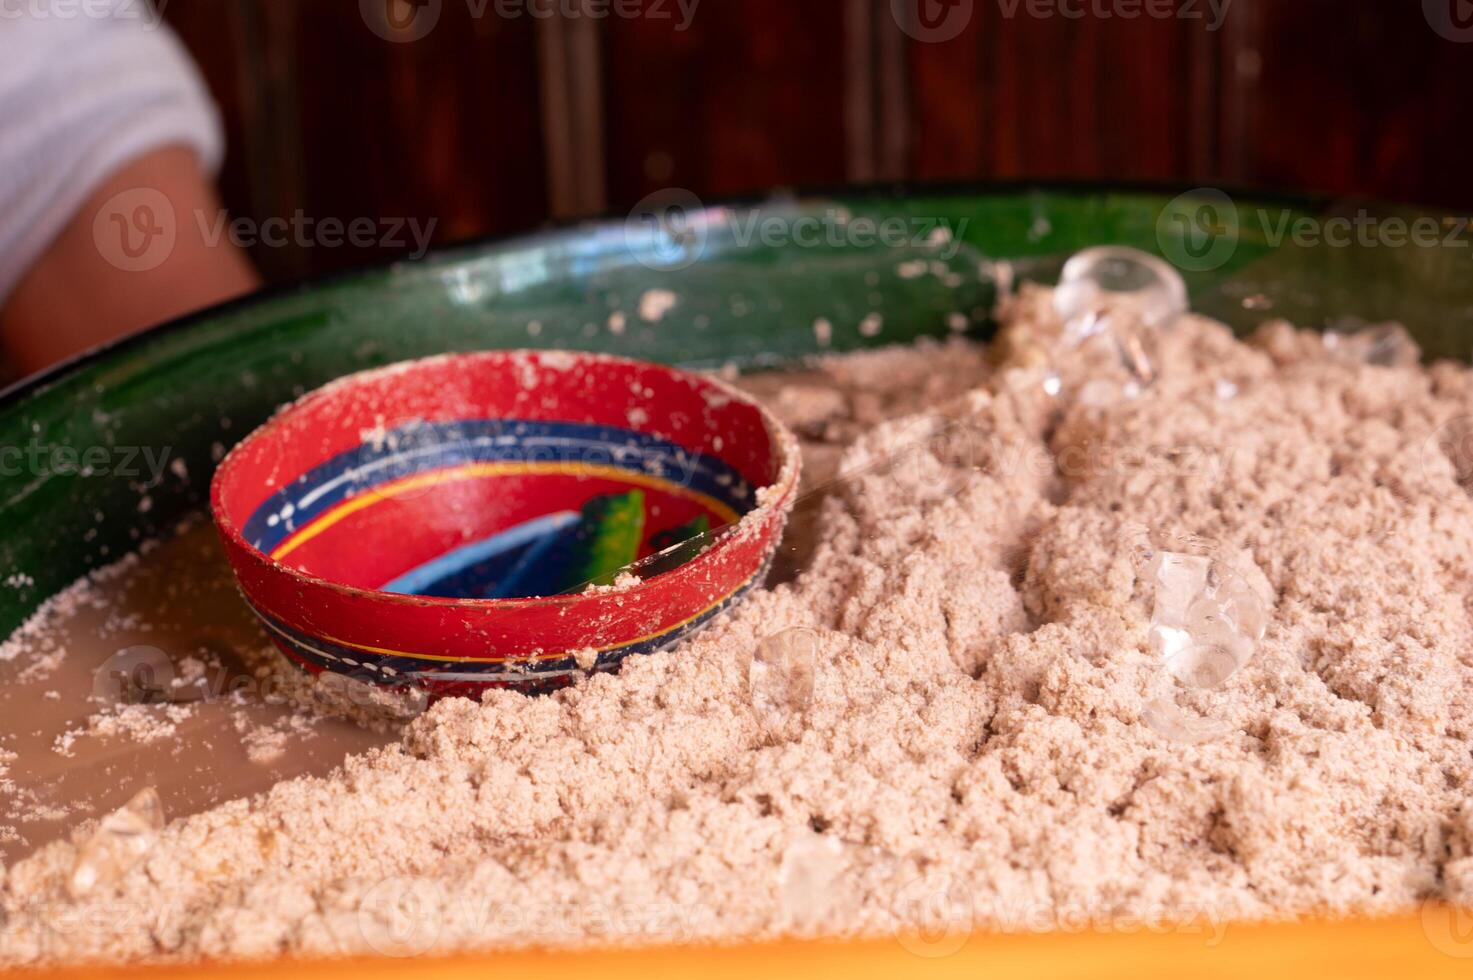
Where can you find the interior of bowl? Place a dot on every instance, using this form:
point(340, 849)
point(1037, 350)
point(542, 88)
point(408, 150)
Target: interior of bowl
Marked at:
point(495, 475)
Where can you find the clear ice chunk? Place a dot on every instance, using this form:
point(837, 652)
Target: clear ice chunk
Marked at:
point(1109, 276)
point(1354, 341)
point(1120, 297)
point(811, 867)
point(1453, 440)
point(1166, 718)
point(121, 840)
point(1208, 617)
point(782, 677)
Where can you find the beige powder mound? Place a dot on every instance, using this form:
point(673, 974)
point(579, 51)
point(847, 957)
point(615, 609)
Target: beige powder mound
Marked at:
point(975, 750)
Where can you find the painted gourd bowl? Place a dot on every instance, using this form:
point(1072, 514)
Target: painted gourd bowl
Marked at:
point(508, 518)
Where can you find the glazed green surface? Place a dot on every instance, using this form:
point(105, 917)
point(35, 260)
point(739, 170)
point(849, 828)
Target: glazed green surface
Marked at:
point(173, 400)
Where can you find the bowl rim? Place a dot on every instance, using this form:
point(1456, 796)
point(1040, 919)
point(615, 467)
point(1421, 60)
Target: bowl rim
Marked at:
point(772, 499)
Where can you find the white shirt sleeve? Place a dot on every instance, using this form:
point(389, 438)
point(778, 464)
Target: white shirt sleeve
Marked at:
point(86, 86)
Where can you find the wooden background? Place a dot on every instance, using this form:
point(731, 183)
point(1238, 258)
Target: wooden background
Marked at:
point(496, 120)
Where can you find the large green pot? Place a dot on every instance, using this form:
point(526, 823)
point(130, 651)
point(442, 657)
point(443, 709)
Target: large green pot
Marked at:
point(152, 414)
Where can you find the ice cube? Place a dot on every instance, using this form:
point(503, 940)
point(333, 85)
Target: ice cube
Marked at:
point(1207, 665)
point(1209, 614)
point(811, 867)
point(121, 840)
point(1353, 341)
point(1119, 298)
point(1112, 277)
point(1453, 440)
point(1240, 593)
point(782, 677)
point(1166, 718)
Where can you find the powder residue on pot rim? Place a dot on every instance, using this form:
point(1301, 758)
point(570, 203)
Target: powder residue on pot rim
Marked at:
point(974, 750)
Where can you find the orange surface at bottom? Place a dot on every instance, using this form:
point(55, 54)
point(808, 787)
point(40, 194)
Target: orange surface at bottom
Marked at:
point(1436, 943)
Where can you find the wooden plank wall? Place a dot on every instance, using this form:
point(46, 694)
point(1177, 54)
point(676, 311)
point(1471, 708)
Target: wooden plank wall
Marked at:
point(495, 120)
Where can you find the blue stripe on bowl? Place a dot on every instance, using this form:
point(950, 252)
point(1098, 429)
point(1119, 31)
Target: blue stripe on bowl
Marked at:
point(415, 448)
point(401, 671)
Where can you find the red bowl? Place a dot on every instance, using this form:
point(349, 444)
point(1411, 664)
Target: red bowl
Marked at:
point(459, 522)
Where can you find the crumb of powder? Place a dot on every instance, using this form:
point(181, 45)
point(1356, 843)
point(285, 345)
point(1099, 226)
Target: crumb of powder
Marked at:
point(264, 744)
point(655, 303)
point(622, 582)
point(136, 722)
point(823, 332)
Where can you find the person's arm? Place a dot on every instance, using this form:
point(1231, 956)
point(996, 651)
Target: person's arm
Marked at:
point(108, 144)
point(147, 245)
